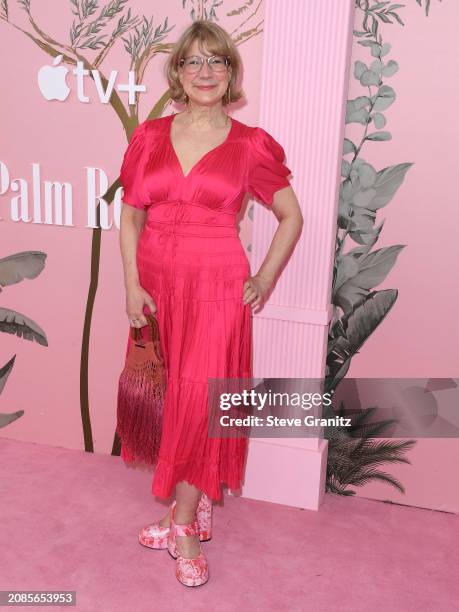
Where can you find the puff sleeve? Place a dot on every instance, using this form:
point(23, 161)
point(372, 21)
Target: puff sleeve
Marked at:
point(132, 167)
point(267, 172)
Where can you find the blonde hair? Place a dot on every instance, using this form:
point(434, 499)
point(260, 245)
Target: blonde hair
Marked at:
point(217, 42)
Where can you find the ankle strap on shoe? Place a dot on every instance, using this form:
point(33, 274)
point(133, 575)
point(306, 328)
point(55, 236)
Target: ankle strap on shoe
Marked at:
point(187, 529)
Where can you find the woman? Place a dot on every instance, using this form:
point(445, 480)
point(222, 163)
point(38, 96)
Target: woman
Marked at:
point(184, 178)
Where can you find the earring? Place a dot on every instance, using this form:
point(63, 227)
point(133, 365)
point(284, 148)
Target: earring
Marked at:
point(229, 94)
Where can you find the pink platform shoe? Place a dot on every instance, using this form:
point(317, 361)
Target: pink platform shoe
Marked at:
point(190, 572)
point(155, 536)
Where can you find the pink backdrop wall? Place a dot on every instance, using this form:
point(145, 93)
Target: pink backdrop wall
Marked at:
point(77, 142)
point(69, 139)
point(419, 337)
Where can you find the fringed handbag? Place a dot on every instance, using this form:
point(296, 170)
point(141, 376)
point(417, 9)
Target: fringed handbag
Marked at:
point(141, 396)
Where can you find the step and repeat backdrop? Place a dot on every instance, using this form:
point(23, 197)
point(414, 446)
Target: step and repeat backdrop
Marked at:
point(78, 76)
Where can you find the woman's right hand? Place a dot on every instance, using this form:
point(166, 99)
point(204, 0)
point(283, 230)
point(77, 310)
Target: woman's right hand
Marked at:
point(136, 299)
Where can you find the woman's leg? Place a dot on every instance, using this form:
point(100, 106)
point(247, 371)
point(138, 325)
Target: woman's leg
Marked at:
point(166, 520)
point(187, 498)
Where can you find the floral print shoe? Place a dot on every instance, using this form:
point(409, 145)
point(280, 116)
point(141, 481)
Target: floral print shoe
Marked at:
point(155, 536)
point(190, 572)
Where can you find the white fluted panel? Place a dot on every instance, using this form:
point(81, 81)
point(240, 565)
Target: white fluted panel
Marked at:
point(304, 86)
point(295, 348)
point(305, 73)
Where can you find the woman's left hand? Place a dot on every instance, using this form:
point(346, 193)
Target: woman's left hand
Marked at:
point(255, 290)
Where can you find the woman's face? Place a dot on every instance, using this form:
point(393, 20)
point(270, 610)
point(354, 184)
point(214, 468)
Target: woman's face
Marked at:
point(214, 81)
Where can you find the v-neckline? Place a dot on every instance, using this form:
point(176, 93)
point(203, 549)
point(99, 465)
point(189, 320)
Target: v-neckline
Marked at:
point(179, 165)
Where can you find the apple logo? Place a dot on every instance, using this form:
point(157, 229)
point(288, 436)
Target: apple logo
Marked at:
point(51, 81)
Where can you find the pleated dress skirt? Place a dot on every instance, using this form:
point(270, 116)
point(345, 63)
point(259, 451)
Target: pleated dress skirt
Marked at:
point(191, 261)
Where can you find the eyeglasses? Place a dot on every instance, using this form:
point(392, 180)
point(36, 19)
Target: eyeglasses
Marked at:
point(194, 63)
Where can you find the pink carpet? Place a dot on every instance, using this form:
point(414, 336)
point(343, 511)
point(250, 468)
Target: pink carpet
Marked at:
point(69, 520)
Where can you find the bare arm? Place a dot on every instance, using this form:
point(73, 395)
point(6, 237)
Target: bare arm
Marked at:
point(287, 210)
point(131, 226)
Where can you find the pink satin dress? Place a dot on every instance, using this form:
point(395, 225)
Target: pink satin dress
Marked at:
point(191, 261)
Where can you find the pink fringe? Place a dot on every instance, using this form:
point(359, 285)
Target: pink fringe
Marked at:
point(139, 415)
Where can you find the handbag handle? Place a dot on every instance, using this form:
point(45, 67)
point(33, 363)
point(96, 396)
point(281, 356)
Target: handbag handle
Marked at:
point(136, 333)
